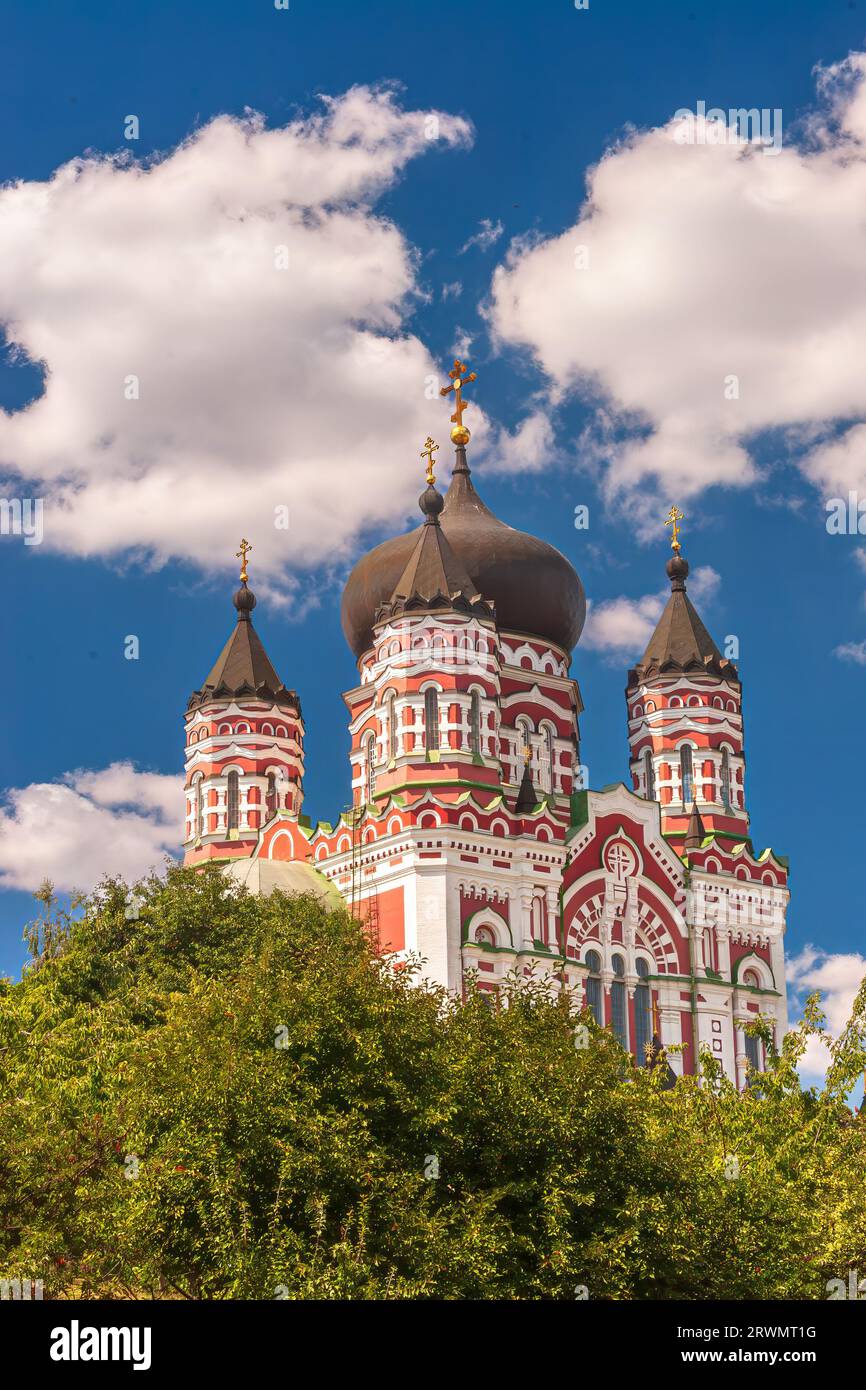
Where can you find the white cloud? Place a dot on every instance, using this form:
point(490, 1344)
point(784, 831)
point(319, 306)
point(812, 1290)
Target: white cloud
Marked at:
point(692, 264)
point(259, 386)
point(528, 449)
point(852, 651)
point(452, 290)
point(487, 235)
point(621, 627)
point(117, 820)
point(838, 977)
point(838, 467)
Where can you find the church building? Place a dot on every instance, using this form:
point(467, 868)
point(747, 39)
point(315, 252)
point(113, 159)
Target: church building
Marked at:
point(472, 840)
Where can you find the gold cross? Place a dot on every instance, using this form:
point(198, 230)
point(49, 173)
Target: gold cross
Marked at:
point(673, 517)
point(242, 556)
point(427, 453)
point(459, 376)
point(527, 754)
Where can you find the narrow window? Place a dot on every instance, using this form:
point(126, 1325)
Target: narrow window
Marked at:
point(753, 1052)
point(726, 780)
point(593, 987)
point(233, 800)
point(549, 754)
point(371, 767)
point(271, 797)
point(431, 719)
point(392, 725)
point(649, 775)
point(475, 723)
point(708, 948)
point(642, 1012)
point(618, 1002)
point(199, 810)
point(538, 932)
point(687, 775)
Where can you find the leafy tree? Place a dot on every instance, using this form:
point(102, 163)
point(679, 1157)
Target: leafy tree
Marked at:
point(208, 1095)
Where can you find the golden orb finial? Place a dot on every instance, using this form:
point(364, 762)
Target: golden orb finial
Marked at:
point(242, 556)
point(427, 453)
point(459, 376)
point(674, 517)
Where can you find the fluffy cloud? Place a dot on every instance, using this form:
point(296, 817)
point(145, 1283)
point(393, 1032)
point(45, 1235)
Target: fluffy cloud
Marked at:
point(838, 977)
point(621, 627)
point(709, 291)
point(259, 386)
point(117, 820)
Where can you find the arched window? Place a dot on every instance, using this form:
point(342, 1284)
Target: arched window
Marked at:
point(549, 754)
point(199, 809)
point(431, 719)
point(370, 766)
point(726, 780)
point(708, 948)
point(524, 741)
point(649, 775)
point(271, 795)
point(485, 936)
point(619, 1003)
point(232, 800)
point(392, 724)
point(750, 977)
point(687, 776)
point(642, 1012)
point(475, 723)
point(538, 932)
point(593, 987)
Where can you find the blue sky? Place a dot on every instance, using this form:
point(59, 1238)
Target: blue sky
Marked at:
point(547, 91)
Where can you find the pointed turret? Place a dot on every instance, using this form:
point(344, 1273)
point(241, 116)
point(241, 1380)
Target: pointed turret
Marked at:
point(695, 832)
point(527, 797)
point(433, 578)
point(680, 641)
point(244, 737)
point(243, 666)
point(685, 722)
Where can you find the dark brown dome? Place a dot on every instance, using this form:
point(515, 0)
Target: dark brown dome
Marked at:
point(533, 587)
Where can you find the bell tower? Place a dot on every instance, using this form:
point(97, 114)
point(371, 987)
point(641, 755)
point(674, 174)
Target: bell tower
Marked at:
point(685, 722)
point(244, 745)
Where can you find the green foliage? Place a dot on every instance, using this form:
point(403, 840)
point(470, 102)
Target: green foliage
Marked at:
point(230, 1096)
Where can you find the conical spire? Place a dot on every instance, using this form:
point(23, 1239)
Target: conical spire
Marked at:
point(243, 666)
point(527, 797)
point(433, 577)
point(695, 832)
point(680, 640)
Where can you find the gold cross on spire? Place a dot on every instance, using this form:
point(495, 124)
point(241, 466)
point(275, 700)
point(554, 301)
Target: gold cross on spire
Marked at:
point(242, 556)
point(459, 376)
point(673, 518)
point(427, 453)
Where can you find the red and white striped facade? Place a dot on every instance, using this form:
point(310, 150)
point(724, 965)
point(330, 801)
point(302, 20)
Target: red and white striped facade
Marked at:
point(647, 903)
point(263, 744)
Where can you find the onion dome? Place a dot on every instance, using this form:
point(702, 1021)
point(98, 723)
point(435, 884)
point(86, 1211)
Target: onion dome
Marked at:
point(680, 641)
point(532, 587)
point(243, 667)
